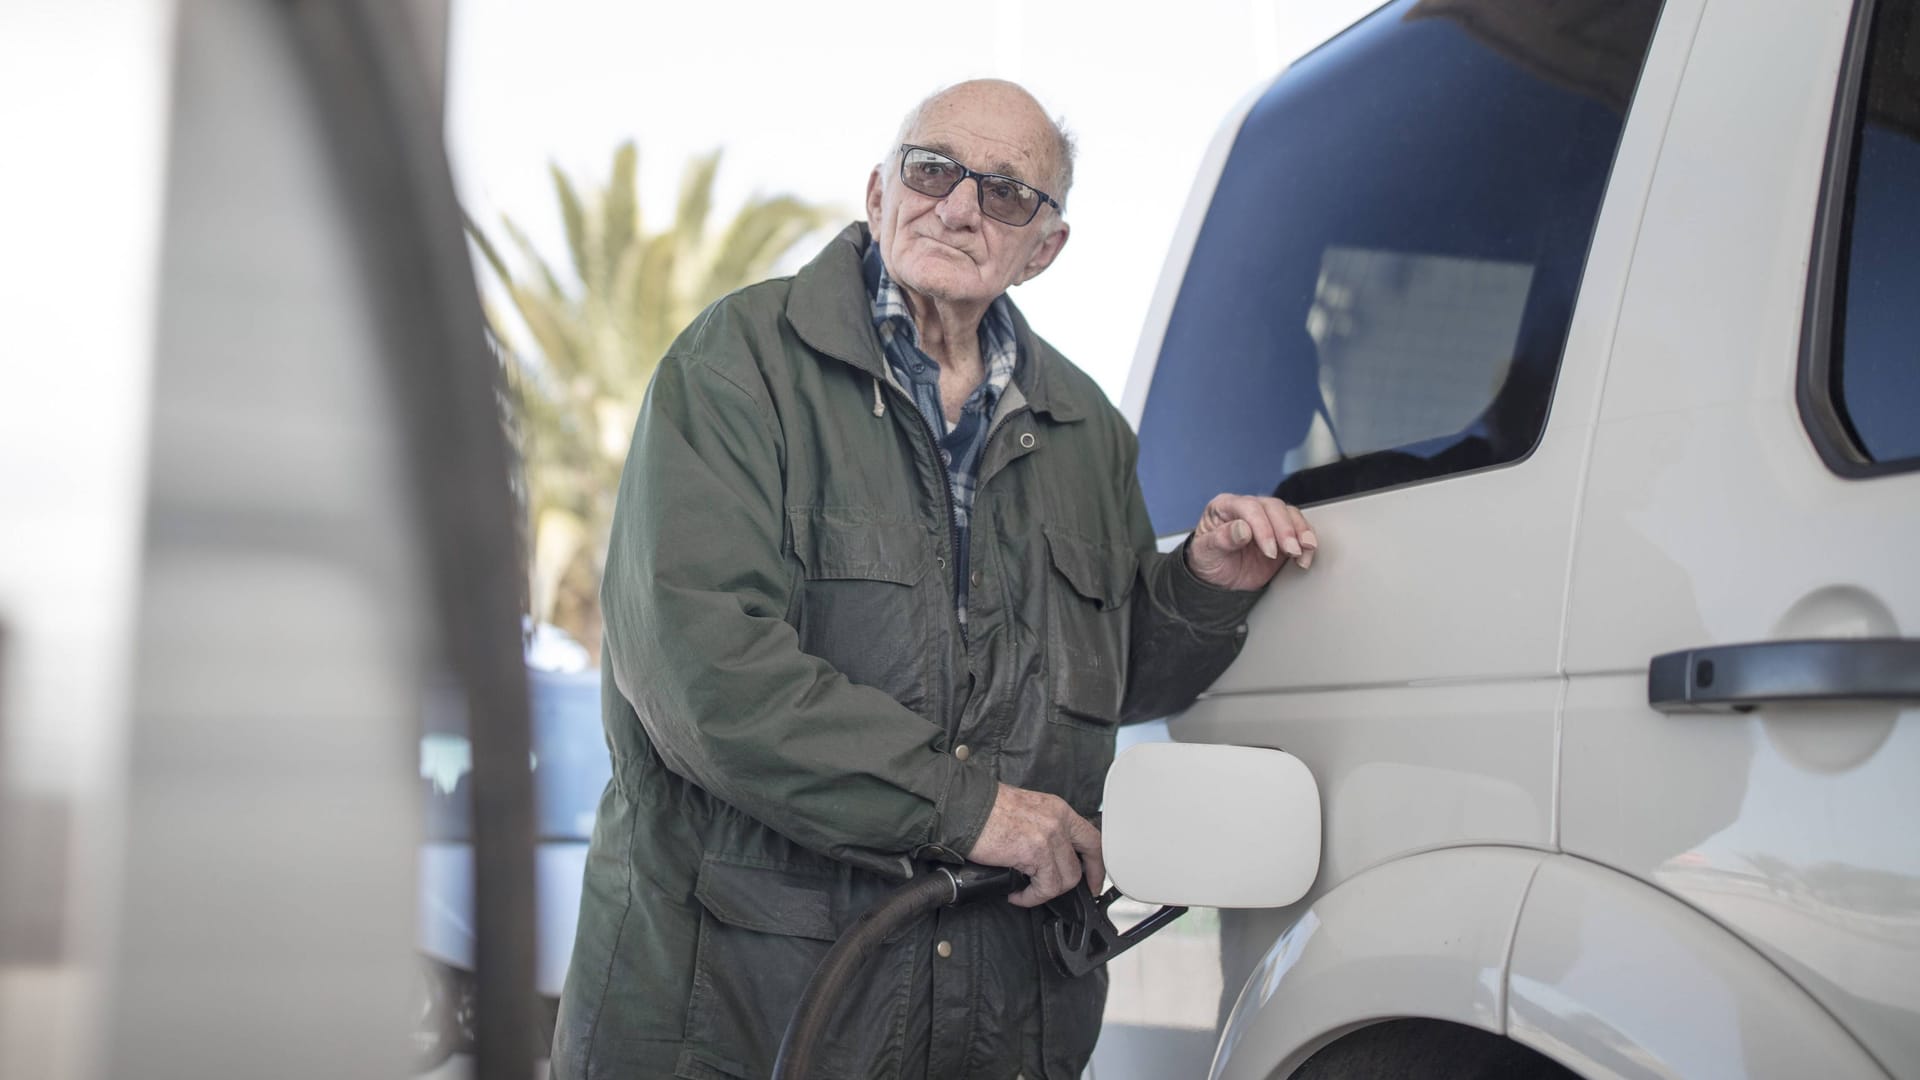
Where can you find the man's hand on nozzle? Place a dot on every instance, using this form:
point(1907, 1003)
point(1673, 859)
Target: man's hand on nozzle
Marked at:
point(1040, 836)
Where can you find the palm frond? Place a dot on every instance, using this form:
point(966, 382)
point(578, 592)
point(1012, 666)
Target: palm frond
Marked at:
point(574, 215)
point(653, 295)
point(571, 395)
point(533, 258)
point(620, 209)
point(487, 250)
point(756, 238)
point(696, 199)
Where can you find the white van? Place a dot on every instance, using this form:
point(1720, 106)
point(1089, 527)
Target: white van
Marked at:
point(1589, 334)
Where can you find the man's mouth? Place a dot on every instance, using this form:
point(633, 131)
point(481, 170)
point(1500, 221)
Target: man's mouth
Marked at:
point(955, 248)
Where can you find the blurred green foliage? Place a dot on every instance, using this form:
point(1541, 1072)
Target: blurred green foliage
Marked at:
point(580, 347)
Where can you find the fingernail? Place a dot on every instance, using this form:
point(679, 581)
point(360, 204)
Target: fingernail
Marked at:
point(1293, 547)
point(1309, 539)
point(1306, 561)
point(1239, 531)
point(1267, 547)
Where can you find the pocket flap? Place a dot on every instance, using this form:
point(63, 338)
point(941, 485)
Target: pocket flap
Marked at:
point(765, 899)
point(837, 544)
point(1100, 572)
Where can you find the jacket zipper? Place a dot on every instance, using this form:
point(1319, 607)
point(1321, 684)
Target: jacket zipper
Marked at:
point(953, 546)
point(953, 527)
point(946, 494)
point(946, 481)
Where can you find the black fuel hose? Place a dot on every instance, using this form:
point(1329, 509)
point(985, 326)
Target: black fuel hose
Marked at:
point(938, 888)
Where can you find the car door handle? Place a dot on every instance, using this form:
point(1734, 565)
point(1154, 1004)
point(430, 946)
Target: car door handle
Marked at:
point(1741, 678)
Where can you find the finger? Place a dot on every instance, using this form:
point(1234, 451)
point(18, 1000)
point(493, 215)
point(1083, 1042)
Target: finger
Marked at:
point(1274, 512)
point(1086, 841)
point(1218, 512)
point(1035, 894)
point(1274, 532)
point(1308, 539)
point(1068, 865)
point(1058, 871)
point(1221, 542)
point(1255, 514)
point(1302, 527)
point(1096, 873)
point(1061, 859)
point(1245, 512)
point(1223, 513)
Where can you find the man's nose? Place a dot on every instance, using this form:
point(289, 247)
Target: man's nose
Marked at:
point(961, 208)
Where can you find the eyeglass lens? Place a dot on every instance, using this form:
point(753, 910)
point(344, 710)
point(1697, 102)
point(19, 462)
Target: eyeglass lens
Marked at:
point(1001, 198)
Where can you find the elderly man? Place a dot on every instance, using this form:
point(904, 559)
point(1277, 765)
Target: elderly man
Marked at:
point(880, 586)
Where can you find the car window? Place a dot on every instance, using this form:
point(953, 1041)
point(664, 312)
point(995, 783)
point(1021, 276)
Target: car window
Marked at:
point(1874, 371)
point(1381, 287)
point(570, 763)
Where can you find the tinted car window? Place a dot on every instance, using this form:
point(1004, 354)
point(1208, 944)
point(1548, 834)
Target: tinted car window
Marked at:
point(1875, 368)
point(570, 763)
point(1381, 287)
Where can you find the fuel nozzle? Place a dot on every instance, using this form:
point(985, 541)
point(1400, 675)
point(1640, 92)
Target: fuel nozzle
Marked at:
point(1078, 932)
point(972, 882)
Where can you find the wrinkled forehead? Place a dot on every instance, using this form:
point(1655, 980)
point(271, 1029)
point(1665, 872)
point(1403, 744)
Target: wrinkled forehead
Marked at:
point(998, 133)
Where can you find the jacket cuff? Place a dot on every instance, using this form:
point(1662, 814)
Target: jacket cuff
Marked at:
point(1207, 608)
point(962, 812)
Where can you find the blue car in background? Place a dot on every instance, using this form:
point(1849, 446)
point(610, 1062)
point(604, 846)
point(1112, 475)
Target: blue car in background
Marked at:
point(570, 770)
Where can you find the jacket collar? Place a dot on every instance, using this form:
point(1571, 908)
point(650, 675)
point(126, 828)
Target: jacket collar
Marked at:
point(828, 307)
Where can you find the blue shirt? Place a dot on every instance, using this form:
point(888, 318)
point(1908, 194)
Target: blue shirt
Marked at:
point(960, 444)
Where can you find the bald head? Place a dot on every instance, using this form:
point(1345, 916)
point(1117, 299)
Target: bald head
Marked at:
point(1046, 137)
point(945, 250)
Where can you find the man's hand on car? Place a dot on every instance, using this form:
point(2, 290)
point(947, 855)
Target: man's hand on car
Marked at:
point(1243, 540)
point(1040, 836)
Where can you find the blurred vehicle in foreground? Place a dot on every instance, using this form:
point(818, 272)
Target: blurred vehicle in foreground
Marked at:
point(257, 508)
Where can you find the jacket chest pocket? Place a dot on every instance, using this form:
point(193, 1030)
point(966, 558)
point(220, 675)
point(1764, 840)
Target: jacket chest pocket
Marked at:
point(862, 603)
point(1087, 626)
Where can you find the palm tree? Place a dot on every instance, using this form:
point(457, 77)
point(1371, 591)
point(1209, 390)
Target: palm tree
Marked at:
point(574, 388)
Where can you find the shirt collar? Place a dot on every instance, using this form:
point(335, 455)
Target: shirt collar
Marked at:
point(827, 298)
point(999, 344)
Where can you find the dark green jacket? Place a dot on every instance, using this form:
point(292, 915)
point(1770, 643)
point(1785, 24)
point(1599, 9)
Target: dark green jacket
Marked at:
point(796, 721)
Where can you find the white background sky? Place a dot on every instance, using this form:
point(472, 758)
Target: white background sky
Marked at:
point(804, 97)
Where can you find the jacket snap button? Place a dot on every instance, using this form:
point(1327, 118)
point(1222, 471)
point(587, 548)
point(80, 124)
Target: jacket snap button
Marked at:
point(962, 752)
point(945, 949)
point(973, 579)
point(1026, 440)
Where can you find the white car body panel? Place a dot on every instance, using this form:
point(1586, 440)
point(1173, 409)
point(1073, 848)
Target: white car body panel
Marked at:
point(1467, 662)
point(1710, 519)
point(1405, 769)
point(1613, 979)
point(1425, 936)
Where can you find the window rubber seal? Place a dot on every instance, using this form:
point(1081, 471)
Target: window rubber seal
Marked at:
point(1824, 424)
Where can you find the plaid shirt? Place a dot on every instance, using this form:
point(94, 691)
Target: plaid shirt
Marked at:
point(960, 444)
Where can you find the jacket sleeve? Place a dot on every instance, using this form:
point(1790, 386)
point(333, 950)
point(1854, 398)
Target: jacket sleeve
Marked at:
point(694, 601)
point(1185, 632)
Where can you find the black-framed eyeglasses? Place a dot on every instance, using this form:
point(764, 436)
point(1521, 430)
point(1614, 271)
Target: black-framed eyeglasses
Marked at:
point(1002, 198)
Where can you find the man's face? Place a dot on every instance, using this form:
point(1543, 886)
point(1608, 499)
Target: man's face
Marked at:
point(946, 249)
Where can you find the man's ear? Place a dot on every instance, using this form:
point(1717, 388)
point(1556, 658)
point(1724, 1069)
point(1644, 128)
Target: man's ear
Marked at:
point(1044, 255)
point(873, 201)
